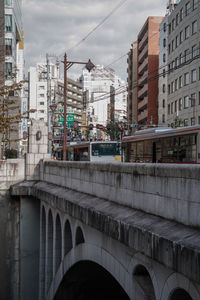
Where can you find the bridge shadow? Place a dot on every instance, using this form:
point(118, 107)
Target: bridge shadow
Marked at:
point(87, 280)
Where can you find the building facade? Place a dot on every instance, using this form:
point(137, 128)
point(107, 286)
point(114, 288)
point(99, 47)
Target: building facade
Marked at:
point(147, 72)
point(132, 86)
point(184, 64)
point(106, 96)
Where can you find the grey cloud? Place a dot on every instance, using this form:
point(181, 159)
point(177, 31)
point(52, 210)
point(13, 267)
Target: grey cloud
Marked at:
point(55, 26)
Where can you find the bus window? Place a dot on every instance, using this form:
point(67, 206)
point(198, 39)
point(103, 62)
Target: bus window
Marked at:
point(104, 149)
point(148, 151)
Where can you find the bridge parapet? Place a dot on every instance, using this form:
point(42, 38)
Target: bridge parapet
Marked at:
point(169, 191)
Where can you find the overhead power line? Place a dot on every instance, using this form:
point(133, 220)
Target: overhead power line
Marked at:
point(98, 25)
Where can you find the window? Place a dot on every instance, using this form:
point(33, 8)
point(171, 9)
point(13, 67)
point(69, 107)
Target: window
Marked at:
point(41, 111)
point(172, 86)
point(8, 69)
point(199, 98)
point(195, 4)
point(169, 88)
point(194, 51)
point(173, 24)
point(187, 8)
point(169, 48)
point(169, 28)
point(180, 82)
point(8, 2)
point(193, 99)
point(176, 85)
point(186, 122)
point(186, 79)
point(41, 87)
point(186, 101)
point(8, 23)
point(172, 108)
point(164, 73)
point(181, 37)
point(41, 103)
point(177, 18)
point(176, 44)
point(187, 55)
point(181, 14)
point(164, 57)
point(187, 32)
point(163, 88)
point(163, 103)
point(199, 119)
point(192, 121)
point(41, 95)
point(164, 27)
point(176, 62)
point(172, 45)
point(180, 104)
point(8, 46)
point(164, 43)
point(163, 118)
point(175, 106)
point(168, 109)
point(194, 27)
point(194, 75)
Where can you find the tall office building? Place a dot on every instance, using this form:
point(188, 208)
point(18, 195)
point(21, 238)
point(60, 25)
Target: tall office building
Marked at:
point(10, 37)
point(183, 64)
point(148, 62)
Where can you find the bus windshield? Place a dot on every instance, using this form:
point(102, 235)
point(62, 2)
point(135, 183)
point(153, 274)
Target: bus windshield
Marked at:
point(104, 149)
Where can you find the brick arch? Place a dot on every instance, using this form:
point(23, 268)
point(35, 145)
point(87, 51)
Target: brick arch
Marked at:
point(177, 281)
point(95, 254)
point(68, 244)
point(58, 242)
point(143, 283)
point(180, 294)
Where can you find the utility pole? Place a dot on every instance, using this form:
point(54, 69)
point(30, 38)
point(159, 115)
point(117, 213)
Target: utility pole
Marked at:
point(67, 65)
point(65, 108)
point(48, 102)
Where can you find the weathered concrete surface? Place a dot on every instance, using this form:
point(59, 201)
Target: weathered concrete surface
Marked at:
point(11, 172)
point(174, 245)
point(169, 191)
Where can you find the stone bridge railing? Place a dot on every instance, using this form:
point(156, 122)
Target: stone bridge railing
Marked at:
point(169, 191)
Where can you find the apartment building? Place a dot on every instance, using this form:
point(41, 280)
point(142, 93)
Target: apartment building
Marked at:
point(147, 72)
point(74, 100)
point(183, 90)
point(132, 85)
point(38, 89)
point(100, 83)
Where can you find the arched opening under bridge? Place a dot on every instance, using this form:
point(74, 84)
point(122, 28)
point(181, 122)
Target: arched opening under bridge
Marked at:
point(180, 294)
point(87, 280)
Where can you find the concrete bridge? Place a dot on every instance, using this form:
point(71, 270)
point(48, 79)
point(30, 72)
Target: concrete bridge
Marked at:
point(110, 231)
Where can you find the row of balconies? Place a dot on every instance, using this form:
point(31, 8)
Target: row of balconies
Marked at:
point(143, 54)
point(143, 41)
point(143, 92)
point(143, 67)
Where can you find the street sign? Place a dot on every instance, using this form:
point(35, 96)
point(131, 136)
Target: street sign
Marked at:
point(70, 119)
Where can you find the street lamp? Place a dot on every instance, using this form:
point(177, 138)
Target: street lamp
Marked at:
point(67, 65)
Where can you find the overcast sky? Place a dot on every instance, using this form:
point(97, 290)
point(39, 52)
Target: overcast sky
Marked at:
point(54, 26)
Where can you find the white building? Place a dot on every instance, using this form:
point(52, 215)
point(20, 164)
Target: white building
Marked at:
point(38, 88)
point(98, 83)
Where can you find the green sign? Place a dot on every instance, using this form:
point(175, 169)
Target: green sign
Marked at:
point(69, 118)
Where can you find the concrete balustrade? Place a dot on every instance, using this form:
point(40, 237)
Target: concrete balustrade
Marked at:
point(169, 191)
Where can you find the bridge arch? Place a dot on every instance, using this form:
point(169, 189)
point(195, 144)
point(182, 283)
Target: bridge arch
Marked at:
point(177, 285)
point(180, 294)
point(92, 253)
point(143, 283)
point(79, 237)
point(89, 280)
point(68, 243)
point(58, 242)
